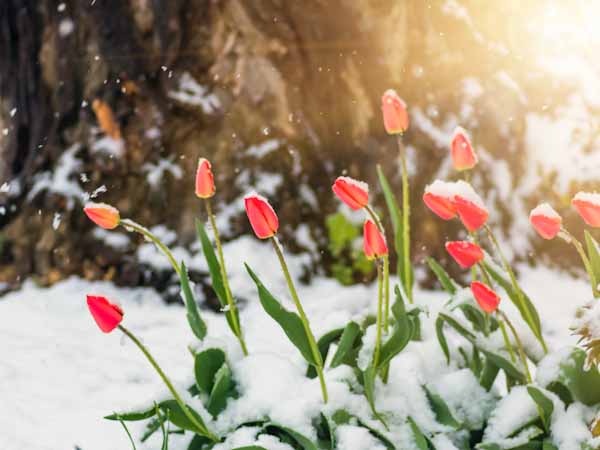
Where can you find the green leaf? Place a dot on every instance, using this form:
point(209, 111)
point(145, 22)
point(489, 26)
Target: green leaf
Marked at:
point(221, 391)
point(133, 416)
point(299, 439)
point(488, 374)
point(250, 447)
point(200, 443)
point(206, 365)
point(593, 254)
point(290, 322)
point(441, 410)
point(214, 269)
point(193, 316)
point(584, 385)
point(323, 345)
point(178, 418)
point(505, 283)
point(449, 285)
point(545, 405)
point(548, 446)
point(347, 345)
point(341, 233)
point(420, 439)
point(439, 332)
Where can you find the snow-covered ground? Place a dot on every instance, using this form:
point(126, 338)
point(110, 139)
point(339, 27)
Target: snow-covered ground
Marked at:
point(59, 375)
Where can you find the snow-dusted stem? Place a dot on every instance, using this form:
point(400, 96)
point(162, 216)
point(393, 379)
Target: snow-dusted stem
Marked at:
point(379, 315)
point(131, 225)
point(311, 338)
point(515, 285)
point(405, 220)
point(230, 302)
point(169, 385)
point(586, 262)
point(519, 345)
point(386, 271)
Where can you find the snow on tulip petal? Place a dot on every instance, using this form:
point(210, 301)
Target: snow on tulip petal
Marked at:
point(352, 192)
point(587, 205)
point(463, 155)
point(486, 298)
point(395, 115)
point(374, 241)
point(261, 215)
point(205, 184)
point(465, 253)
point(545, 220)
point(439, 197)
point(103, 215)
point(106, 314)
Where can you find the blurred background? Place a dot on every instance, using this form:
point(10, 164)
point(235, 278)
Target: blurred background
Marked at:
point(115, 101)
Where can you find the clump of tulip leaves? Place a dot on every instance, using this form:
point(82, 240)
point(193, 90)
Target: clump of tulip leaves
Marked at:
point(215, 384)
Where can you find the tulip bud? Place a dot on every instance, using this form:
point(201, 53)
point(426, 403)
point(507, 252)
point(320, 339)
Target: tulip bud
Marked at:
point(395, 115)
point(465, 253)
point(205, 183)
point(438, 197)
point(103, 215)
point(352, 192)
point(587, 205)
point(106, 314)
point(374, 241)
point(469, 206)
point(486, 298)
point(261, 215)
point(546, 221)
point(463, 155)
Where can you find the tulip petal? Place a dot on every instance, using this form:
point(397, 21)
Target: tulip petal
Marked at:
point(106, 314)
point(261, 215)
point(486, 298)
point(352, 192)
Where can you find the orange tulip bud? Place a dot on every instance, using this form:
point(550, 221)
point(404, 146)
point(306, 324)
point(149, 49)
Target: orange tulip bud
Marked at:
point(395, 115)
point(587, 205)
point(205, 183)
point(486, 298)
point(103, 215)
point(463, 155)
point(465, 253)
point(546, 221)
point(261, 215)
point(106, 314)
point(439, 197)
point(374, 241)
point(352, 192)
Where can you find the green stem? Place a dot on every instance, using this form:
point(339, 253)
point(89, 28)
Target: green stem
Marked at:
point(386, 270)
point(586, 261)
point(519, 345)
point(311, 338)
point(405, 220)
point(201, 427)
point(131, 225)
point(379, 314)
point(475, 241)
point(513, 279)
point(237, 329)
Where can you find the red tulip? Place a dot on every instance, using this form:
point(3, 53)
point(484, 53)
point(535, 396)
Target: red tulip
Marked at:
point(352, 192)
point(463, 155)
point(106, 314)
point(205, 183)
point(486, 298)
point(261, 215)
point(103, 215)
point(439, 198)
point(465, 253)
point(587, 205)
point(546, 221)
point(395, 115)
point(469, 206)
point(374, 242)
